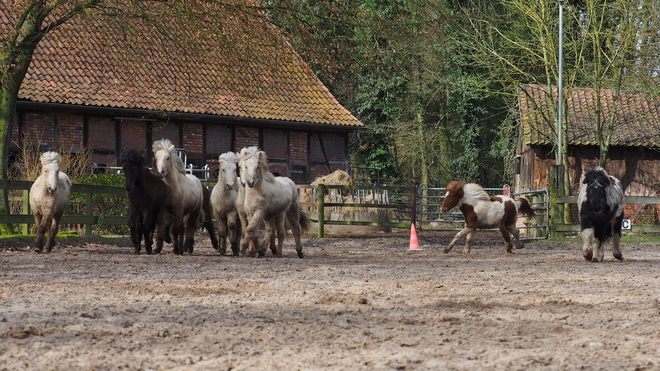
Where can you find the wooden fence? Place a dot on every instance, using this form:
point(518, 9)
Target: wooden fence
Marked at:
point(401, 200)
point(88, 219)
point(562, 226)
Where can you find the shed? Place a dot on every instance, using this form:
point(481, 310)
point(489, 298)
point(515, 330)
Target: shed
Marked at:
point(634, 155)
point(93, 85)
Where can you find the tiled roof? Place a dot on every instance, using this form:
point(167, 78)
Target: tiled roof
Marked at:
point(250, 71)
point(636, 117)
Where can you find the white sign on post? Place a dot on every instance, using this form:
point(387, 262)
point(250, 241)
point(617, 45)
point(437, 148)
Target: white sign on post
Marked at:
point(626, 224)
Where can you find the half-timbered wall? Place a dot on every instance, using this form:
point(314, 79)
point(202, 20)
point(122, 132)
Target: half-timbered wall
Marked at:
point(299, 154)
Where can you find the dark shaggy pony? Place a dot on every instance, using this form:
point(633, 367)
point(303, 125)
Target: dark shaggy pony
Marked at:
point(146, 199)
point(600, 206)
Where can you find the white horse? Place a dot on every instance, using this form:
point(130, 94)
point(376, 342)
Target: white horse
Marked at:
point(268, 199)
point(223, 201)
point(185, 195)
point(49, 197)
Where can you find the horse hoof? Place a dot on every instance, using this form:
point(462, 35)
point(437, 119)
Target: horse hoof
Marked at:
point(618, 257)
point(521, 246)
point(37, 250)
point(158, 250)
point(300, 254)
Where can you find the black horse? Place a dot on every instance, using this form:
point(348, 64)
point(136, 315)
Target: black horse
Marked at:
point(600, 205)
point(146, 198)
point(208, 217)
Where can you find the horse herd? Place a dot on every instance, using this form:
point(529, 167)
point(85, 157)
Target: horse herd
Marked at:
point(250, 204)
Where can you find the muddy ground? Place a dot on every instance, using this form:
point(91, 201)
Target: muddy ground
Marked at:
point(361, 302)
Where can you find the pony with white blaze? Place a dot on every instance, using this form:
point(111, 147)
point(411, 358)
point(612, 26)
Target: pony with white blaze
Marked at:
point(600, 205)
point(185, 196)
point(483, 211)
point(49, 197)
point(223, 201)
point(268, 199)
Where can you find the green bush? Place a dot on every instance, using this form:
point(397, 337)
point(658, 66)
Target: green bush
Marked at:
point(103, 204)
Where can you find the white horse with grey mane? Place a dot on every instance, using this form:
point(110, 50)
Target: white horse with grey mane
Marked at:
point(49, 197)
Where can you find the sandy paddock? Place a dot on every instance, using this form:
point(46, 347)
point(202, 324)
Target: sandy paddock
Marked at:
point(360, 302)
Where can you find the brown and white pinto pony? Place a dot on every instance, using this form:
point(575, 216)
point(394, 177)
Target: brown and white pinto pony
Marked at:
point(483, 211)
point(600, 205)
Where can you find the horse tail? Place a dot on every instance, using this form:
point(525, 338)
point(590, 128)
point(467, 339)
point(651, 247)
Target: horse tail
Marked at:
point(305, 224)
point(525, 208)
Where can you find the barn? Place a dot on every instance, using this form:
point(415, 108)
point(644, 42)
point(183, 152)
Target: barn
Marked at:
point(95, 86)
point(634, 155)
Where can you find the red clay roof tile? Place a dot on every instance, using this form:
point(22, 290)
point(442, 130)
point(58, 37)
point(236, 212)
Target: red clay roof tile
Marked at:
point(636, 117)
point(84, 62)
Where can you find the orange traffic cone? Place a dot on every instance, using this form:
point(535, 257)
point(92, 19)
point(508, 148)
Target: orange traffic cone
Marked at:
point(414, 244)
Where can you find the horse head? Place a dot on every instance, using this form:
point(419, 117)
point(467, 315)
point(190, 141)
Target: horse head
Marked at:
point(132, 163)
point(228, 168)
point(163, 154)
point(453, 195)
point(50, 162)
point(251, 163)
point(597, 181)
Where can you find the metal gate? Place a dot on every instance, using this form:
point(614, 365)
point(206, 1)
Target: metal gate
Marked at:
point(430, 218)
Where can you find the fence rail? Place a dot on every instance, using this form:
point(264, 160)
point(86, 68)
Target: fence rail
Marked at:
point(88, 218)
point(402, 204)
point(636, 200)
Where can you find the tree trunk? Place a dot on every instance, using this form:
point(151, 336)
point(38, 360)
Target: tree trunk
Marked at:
point(13, 67)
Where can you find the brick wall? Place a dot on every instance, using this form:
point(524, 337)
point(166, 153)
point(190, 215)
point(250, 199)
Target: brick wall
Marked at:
point(42, 128)
point(193, 138)
point(133, 134)
point(71, 132)
point(101, 133)
point(298, 145)
point(246, 137)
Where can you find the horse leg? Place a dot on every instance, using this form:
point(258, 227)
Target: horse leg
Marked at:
point(294, 219)
point(177, 233)
point(587, 235)
point(134, 235)
point(616, 238)
point(165, 221)
point(252, 232)
point(208, 224)
point(222, 233)
point(599, 252)
point(506, 235)
point(233, 231)
point(516, 236)
point(39, 240)
point(458, 236)
point(149, 226)
point(52, 230)
point(468, 241)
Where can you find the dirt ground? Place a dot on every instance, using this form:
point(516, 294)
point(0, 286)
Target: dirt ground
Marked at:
point(361, 302)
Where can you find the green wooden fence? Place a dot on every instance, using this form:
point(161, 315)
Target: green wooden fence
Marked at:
point(88, 218)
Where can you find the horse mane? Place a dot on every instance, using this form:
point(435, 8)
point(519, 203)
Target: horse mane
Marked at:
point(166, 144)
point(131, 155)
point(476, 191)
point(599, 174)
point(228, 157)
point(50, 157)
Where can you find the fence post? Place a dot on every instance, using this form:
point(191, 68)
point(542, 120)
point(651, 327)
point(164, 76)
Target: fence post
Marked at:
point(320, 197)
point(413, 205)
point(556, 189)
point(88, 212)
point(26, 211)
